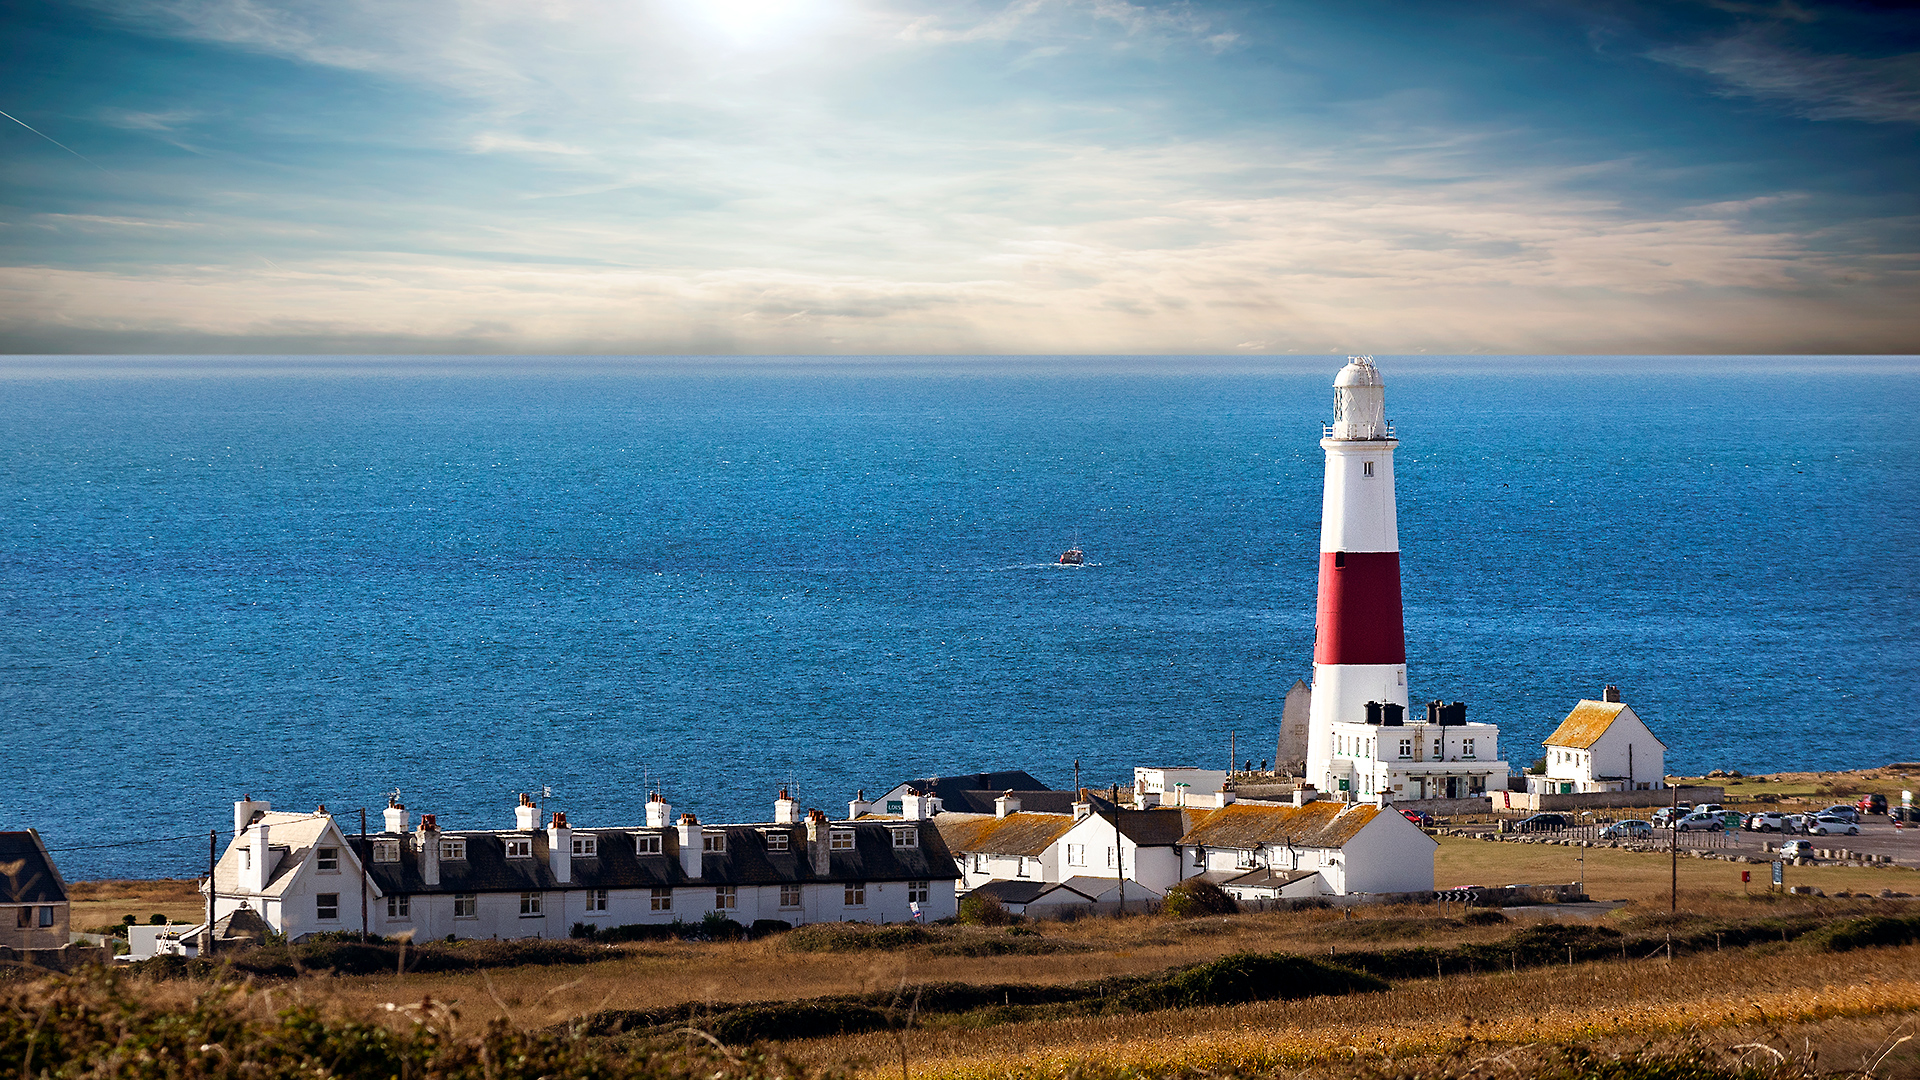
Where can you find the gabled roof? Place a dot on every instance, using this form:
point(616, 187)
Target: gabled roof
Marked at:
point(1015, 891)
point(1323, 824)
point(1157, 827)
point(298, 833)
point(953, 790)
point(1016, 834)
point(1101, 890)
point(1258, 878)
point(1587, 722)
point(27, 873)
point(1042, 802)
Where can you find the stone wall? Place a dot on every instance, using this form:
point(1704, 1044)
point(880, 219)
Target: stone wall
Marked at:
point(70, 958)
point(1522, 800)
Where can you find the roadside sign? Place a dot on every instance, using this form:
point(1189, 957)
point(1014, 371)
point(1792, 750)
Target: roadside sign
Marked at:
point(1343, 785)
point(1779, 873)
point(1746, 875)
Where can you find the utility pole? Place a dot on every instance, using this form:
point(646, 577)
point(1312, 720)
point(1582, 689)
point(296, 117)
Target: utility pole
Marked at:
point(206, 936)
point(1119, 851)
point(1076, 779)
point(1673, 851)
point(1233, 753)
point(361, 858)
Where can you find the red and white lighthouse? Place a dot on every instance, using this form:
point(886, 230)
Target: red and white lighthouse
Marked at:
point(1360, 642)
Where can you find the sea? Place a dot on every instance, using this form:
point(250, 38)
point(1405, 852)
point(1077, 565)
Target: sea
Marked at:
point(323, 580)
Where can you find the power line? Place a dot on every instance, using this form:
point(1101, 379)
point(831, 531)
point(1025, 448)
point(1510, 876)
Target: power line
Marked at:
point(128, 843)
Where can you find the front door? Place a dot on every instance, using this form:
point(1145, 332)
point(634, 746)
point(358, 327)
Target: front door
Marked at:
point(1453, 787)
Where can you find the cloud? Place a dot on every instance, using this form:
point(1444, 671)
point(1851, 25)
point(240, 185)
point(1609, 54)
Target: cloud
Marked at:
point(1038, 20)
point(1878, 90)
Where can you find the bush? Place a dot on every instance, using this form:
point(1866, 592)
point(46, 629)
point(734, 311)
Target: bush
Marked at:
point(156, 919)
point(1194, 897)
point(1866, 932)
point(794, 1020)
point(1485, 917)
point(1244, 977)
point(857, 937)
point(983, 909)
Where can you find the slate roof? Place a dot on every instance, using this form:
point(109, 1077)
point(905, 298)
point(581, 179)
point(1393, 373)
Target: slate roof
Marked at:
point(27, 873)
point(1586, 723)
point(1318, 825)
point(953, 790)
point(1258, 878)
point(1041, 802)
point(1014, 891)
point(748, 860)
point(1101, 889)
point(1158, 827)
point(1023, 833)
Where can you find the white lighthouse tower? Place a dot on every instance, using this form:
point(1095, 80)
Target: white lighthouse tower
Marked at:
point(1361, 742)
point(1360, 641)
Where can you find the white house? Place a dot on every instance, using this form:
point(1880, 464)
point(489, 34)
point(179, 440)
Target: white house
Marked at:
point(1390, 758)
point(1259, 851)
point(1179, 786)
point(1602, 746)
point(302, 874)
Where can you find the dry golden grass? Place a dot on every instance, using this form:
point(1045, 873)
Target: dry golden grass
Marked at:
point(1590, 1003)
point(1617, 874)
point(98, 903)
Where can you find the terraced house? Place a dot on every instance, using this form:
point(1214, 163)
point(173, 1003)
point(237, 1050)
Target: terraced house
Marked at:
point(304, 874)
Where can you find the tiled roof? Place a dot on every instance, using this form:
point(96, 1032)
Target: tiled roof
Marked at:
point(1320, 824)
point(27, 873)
point(1585, 724)
point(1016, 834)
point(748, 860)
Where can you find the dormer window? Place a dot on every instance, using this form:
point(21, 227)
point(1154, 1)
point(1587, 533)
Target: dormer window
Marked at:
point(453, 849)
point(387, 851)
point(840, 840)
point(586, 847)
point(519, 848)
point(777, 841)
point(326, 860)
point(906, 838)
point(713, 843)
point(646, 844)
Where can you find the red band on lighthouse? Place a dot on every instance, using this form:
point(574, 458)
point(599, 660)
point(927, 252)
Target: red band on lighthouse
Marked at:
point(1358, 620)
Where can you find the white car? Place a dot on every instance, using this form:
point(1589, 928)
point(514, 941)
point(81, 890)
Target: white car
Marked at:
point(1796, 849)
point(1700, 820)
point(1766, 821)
point(1830, 824)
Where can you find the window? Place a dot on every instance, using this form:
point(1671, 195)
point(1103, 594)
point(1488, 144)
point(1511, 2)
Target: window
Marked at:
point(725, 898)
point(586, 847)
point(466, 905)
point(386, 851)
point(777, 841)
point(663, 899)
point(1436, 749)
point(1199, 856)
point(840, 840)
point(46, 916)
point(646, 844)
point(789, 896)
point(1466, 748)
point(529, 904)
point(1076, 854)
point(519, 848)
point(1366, 468)
point(596, 899)
point(453, 849)
point(1339, 560)
point(1243, 858)
point(917, 891)
point(1113, 856)
point(894, 806)
point(714, 843)
point(906, 838)
point(1406, 749)
point(857, 895)
point(399, 907)
point(980, 864)
point(1020, 866)
point(326, 905)
point(23, 919)
point(326, 860)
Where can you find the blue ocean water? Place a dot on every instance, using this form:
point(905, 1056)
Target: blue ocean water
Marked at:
point(320, 582)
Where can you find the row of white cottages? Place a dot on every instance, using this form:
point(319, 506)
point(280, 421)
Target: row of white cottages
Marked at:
point(302, 873)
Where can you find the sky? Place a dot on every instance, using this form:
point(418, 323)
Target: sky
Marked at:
point(901, 177)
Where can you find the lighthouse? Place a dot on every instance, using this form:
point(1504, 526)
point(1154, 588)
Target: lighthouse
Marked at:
point(1360, 642)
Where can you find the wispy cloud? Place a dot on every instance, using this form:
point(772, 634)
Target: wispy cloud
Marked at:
point(1819, 87)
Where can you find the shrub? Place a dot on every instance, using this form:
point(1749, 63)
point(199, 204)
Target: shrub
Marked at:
point(794, 1020)
point(1244, 977)
point(1867, 931)
point(156, 919)
point(768, 927)
point(983, 909)
point(1485, 917)
point(857, 937)
point(1194, 897)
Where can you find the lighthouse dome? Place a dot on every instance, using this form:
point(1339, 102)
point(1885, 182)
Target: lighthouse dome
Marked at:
point(1358, 372)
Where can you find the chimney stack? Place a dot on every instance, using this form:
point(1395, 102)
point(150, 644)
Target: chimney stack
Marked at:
point(659, 813)
point(429, 849)
point(526, 816)
point(917, 807)
point(1082, 805)
point(396, 816)
point(258, 868)
point(859, 805)
point(560, 848)
point(785, 810)
point(244, 810)
point(818, 853)
point(690, 845)
point(1006, 804)
point(1611, 693)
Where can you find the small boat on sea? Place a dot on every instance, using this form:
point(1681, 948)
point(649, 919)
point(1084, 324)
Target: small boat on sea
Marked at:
point(1072, 557)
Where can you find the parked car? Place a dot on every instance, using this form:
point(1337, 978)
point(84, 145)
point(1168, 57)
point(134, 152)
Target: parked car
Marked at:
point(1543, 823)
point(1767, 821)
point(1702, 821)
point(1709, 808)
point(1908, 814)
point(1664, 817)
point(1797, 849)
point(1418, 817)
point(1830, 824)
point(1627, 830)
point(1842, 810)
point(1871, 804)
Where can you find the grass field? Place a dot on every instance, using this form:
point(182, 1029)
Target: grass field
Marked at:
point(1617, 874)
point(99, 903)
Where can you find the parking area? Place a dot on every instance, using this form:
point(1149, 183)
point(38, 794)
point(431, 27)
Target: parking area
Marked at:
point(1878, 842)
